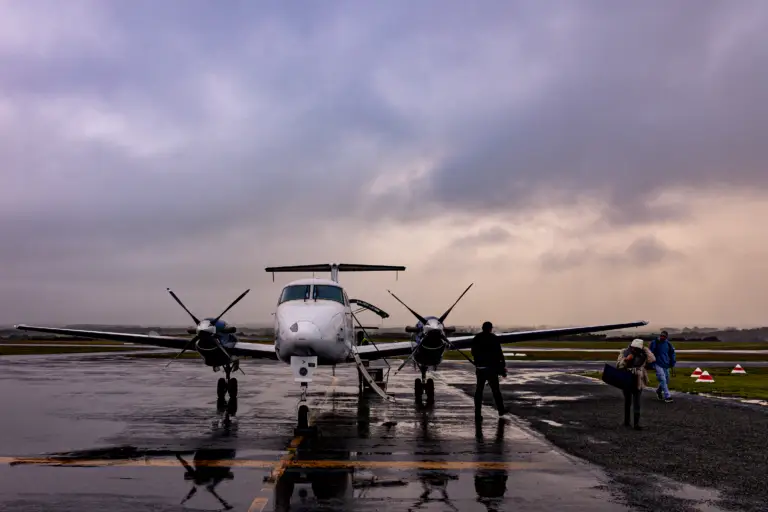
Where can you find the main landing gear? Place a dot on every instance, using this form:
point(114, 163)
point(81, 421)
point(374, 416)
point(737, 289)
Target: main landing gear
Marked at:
point(423, 385)
point(227, 385)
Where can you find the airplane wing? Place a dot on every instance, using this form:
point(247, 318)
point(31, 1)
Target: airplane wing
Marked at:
point(256, 350)
point(398, 348)
point(541, 334)
point(404, 348)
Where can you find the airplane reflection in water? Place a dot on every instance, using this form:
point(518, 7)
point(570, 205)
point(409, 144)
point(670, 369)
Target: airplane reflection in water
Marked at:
point(330, 488)
point(314, 486)
point(208, 466)
point(433, 480)
point(490, 484)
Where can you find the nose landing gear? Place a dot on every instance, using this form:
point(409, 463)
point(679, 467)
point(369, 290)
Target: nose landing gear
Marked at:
point(227, 385)
point(423, 385)
point(303, 369)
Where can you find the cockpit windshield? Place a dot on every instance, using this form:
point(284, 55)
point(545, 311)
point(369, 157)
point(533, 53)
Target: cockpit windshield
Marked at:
point(327, 292)
point(295, 292)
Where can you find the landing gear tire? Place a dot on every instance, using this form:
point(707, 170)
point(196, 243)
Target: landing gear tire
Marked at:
point(303, 422)
point(429, 388)
point(418, 389)
point(221, 388)
point(232, 388)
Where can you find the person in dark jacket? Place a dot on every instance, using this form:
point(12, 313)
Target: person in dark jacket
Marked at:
point(489, 364)
point(665, 359)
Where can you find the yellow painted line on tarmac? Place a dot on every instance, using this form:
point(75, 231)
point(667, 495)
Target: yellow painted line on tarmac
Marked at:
point(286, 459)
point(258, 504)
point(278, 470)
point(284, 464)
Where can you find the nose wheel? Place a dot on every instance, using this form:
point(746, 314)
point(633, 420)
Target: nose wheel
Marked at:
point(226, 385)
point(421, 387)
point(302, 424)
point(303, 421)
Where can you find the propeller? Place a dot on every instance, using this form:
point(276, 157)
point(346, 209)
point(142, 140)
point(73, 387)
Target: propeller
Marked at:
point(205, 326)
point(431, 325)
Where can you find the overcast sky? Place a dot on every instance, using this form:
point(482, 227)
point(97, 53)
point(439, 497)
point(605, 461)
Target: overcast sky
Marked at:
point(579, 162)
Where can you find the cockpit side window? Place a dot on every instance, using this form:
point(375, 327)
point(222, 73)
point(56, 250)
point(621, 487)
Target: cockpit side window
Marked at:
point(294, 292)
point(327, 292)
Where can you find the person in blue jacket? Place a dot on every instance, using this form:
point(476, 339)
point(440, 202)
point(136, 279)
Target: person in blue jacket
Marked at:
point(664, 352)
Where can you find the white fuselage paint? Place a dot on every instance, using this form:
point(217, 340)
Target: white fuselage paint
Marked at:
point(314, 327)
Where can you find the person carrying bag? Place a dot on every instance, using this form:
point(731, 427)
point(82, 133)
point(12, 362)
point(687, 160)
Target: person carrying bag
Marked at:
point(631, 376)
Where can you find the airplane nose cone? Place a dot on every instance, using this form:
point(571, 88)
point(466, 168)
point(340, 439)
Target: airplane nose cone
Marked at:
point(303, 331)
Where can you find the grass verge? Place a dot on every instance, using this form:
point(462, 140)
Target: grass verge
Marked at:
point(753, 385)
point(62, 341)
point(611, 358)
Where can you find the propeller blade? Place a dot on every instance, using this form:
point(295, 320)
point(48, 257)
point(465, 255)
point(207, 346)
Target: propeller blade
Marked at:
point(189, 344)
point(453, 347)
point(445, 315)
point(183, 306)
point(410, 357)
point(224, 504)
point(218, 342)
point(404, 362)
point(191, 493)
point(418, 316)
point(231, 305)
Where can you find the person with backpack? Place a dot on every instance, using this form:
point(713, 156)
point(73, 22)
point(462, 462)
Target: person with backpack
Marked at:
point(664, 353)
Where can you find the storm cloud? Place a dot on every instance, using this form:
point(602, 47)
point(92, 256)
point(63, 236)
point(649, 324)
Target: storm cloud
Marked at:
point(145, 144)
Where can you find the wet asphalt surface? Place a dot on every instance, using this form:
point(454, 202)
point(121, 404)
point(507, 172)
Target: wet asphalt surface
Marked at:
point(141, 437)
point(694, 454)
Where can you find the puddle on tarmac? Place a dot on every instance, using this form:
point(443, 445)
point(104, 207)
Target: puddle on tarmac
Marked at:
point(553, 423)
point(752, 401)
point(705, 499)
point(554, 398)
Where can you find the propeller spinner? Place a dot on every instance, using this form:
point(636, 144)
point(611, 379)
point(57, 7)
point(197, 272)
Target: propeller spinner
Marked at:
point(206, 326)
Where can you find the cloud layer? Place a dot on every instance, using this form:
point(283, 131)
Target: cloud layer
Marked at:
point(183, 144)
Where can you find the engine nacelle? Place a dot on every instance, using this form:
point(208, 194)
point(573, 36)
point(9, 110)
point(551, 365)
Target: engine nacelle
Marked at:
point(450, 330)
point(230, 329)
point(411, 329)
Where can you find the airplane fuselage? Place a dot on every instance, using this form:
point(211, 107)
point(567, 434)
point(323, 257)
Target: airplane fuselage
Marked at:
point(314, 318)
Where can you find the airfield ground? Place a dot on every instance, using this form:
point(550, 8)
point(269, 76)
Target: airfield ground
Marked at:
point(122, 420)
point(691, 351)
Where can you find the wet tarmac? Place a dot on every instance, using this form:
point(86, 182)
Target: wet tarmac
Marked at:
point(694, 454)
point(120, 433)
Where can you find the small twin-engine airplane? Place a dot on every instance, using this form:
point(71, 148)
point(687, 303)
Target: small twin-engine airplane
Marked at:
point(313, 326)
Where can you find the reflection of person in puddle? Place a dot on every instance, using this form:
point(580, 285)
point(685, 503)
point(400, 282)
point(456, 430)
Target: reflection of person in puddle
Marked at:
point(490, 484)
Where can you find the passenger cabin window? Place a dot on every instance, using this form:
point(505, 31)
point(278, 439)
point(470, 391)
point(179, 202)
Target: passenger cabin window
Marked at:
point(327, 292)
point(295, 292)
